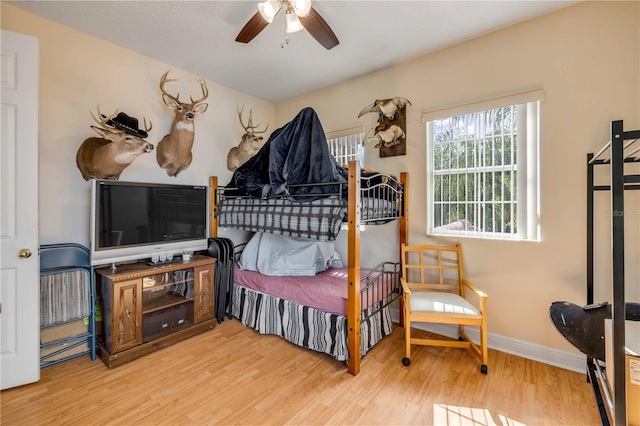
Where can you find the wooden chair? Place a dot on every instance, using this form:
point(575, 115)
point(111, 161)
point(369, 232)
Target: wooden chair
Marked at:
point(434, 287)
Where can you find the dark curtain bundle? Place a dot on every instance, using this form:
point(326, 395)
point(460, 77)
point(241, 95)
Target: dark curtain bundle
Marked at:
point(297, 153)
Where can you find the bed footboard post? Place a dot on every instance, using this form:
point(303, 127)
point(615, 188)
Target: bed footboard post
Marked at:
point(404, 219)
point(353, 305)
point(404, 230)
point(213, 206)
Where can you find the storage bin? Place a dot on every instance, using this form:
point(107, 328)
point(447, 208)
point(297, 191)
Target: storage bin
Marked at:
point(162, 322)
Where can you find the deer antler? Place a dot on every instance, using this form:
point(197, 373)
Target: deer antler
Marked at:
point(145, 125)
point(176, 99)
point(205, 91)
point(164, 80)
point(250, 128)
point(103, 121)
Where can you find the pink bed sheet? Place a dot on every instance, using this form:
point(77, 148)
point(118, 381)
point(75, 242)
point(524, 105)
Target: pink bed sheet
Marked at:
point(327, 291)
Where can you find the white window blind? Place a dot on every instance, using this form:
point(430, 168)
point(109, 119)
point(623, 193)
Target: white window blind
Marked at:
point(347, 145)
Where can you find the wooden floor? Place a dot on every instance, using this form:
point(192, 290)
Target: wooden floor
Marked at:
point(233, 375)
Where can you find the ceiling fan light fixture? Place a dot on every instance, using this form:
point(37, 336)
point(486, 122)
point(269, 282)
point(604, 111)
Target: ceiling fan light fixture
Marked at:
point(293, 13)
point(293, 23)
point(268, 9)
point(302, 8)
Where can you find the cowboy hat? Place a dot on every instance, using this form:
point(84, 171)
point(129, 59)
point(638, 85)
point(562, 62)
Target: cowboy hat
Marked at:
point(129, 124)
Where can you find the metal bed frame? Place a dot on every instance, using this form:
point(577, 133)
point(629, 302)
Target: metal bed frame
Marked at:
point(355, 189)
point(619, 142)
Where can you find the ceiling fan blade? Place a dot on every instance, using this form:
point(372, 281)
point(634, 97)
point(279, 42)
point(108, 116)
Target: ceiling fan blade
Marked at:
point(319, 29)
point(252, 28)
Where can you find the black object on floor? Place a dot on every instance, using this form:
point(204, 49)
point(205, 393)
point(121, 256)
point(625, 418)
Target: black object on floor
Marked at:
point(222, 249)
point(583, 326)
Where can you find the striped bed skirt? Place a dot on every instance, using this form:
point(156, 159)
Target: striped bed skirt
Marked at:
point(307, 327)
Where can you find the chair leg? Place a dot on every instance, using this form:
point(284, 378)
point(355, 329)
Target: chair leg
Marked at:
point(407, 338)
point(484, 349)
point(407, 345)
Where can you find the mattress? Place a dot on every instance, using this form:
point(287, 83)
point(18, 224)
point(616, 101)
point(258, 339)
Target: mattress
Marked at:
point(319, 220)
point(327, 291)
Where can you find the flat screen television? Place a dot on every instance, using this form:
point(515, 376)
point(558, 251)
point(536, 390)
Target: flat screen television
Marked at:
point(133, 220)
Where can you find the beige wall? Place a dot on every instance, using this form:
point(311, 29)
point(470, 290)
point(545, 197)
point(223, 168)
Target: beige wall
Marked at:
point(78, 71)
point(587, 60)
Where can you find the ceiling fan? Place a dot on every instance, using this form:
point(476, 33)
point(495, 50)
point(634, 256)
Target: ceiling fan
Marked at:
point(299, 15)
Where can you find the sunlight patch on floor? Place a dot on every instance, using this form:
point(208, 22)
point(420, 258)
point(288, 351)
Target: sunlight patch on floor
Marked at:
point(452, 415)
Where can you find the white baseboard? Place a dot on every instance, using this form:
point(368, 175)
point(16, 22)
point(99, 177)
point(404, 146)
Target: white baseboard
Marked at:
point(555, 357)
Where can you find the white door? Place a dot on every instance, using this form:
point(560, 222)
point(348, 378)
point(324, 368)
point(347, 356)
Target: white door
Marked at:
point(19, 260)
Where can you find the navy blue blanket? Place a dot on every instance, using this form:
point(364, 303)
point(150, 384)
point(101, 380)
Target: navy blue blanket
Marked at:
point(297, 153)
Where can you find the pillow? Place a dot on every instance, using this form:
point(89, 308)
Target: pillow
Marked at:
point(279, 255)
point(249, 256)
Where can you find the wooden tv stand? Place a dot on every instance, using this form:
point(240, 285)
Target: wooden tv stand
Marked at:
point(146, 308)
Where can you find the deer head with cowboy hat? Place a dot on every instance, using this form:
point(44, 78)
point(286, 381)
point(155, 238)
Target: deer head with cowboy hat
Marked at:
point(121, 142)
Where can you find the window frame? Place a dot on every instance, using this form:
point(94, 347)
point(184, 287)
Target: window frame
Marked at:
point(526, 168)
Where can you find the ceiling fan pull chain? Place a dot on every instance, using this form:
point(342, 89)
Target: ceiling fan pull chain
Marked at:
point(285, 38)
point(282, 32)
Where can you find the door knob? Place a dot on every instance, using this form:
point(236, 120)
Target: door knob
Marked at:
point(24, 253)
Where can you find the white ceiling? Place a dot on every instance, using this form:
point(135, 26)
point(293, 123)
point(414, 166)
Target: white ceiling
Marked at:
point(199, 36)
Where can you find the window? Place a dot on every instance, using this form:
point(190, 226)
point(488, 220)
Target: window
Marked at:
point(482, 171)
point(347, 145)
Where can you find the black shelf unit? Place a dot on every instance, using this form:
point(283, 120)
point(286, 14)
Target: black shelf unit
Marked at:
point(620, 150)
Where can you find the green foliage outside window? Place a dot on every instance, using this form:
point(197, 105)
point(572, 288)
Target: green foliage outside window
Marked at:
point(475, 173)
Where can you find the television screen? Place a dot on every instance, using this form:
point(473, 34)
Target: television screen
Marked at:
point(149, 217)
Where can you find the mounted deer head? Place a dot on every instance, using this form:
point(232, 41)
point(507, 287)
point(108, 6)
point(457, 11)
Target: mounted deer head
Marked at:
point(174, 150)
point(120, 143)
point(249, 145)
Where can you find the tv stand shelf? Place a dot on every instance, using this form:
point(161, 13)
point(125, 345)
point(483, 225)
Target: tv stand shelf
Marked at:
point(148, 307)
point(163, 302)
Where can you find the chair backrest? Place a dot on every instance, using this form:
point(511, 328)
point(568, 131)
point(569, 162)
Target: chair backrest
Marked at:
point(66, 283)
point(433, 267)
point(66, 255)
